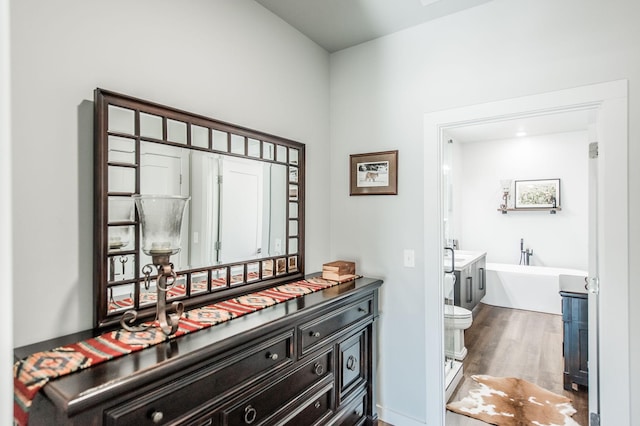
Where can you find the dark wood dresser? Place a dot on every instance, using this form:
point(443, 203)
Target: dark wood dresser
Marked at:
point(307, 361)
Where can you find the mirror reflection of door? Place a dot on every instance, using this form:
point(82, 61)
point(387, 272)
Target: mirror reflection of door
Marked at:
point(205, 207)
point(247, 196)
point(242, 209)
point(161, 173)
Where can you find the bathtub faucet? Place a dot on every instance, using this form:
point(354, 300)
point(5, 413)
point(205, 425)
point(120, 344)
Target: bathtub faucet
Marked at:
point(525, 255)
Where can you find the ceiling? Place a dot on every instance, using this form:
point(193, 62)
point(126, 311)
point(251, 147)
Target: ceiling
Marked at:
point(339, 24)
point(559, 122)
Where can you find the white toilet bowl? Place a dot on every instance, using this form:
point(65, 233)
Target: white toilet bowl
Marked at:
point(457, 320)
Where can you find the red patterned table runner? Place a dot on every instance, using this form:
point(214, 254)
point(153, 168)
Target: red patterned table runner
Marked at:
point(33, 372)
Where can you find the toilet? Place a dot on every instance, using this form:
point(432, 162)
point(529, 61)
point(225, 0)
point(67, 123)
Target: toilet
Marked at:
point(457, 319)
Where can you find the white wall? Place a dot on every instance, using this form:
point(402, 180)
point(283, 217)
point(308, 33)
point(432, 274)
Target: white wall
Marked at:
point(227, 59)
point(558, 240)
point(230, 59)
point(379, 93)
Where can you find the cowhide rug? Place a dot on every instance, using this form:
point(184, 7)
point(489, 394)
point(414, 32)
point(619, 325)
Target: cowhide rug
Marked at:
point(508, 401)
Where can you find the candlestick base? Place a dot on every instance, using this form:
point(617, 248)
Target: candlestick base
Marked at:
point(167, 321)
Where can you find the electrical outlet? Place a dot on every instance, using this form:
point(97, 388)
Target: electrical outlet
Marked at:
point(409, 258)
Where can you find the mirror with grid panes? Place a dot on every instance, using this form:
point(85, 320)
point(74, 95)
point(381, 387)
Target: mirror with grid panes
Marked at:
point(243, 228)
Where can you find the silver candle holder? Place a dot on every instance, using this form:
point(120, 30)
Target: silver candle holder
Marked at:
point(161, 223)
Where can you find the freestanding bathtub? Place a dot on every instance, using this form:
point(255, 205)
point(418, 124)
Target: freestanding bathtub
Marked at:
point(533, 288)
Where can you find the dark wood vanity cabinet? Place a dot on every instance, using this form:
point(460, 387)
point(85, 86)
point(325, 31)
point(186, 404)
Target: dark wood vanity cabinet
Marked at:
point(307, 361)
point(575, 348)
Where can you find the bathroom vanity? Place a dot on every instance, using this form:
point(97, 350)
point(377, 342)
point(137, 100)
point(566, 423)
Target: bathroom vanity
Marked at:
point(575, 347)
point(470, 270)
point(309, 360)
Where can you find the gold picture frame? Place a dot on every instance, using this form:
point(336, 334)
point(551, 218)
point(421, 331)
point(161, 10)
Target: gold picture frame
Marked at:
point(374, 173)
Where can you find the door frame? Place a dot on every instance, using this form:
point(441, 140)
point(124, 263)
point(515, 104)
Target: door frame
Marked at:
point(609, 100)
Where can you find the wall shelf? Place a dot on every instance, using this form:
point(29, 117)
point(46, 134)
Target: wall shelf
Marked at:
point(551, 210)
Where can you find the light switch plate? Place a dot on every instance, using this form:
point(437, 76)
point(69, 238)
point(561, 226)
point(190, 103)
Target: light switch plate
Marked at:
point(409, 258)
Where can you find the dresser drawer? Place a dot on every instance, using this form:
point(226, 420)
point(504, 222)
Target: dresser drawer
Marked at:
point(314, 333)
point(265, 406)
point(174, 399)
point(353, 414)
point(317, 408)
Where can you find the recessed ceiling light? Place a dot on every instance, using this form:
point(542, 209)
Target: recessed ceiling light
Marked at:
point(521, 134)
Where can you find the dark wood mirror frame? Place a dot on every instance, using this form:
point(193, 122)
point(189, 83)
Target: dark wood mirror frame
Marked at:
point(258, 267)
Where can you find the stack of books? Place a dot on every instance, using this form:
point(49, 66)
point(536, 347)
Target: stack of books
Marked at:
point(339, 270)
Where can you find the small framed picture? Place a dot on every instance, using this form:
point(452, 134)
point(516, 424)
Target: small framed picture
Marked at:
point(267, 268)
point(293, 174)
point(293, 192)
point(537, 194)
point(375, 173)
point(281, 266)
point(293, 264)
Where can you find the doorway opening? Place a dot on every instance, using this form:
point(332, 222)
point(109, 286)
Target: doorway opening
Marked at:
point(509, 258)
point(608, 235)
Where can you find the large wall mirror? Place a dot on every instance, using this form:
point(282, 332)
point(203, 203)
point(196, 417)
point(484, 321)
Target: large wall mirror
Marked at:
point(244, 225)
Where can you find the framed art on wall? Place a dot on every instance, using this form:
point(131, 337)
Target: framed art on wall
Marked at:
point(374, 173)
point(540, 193)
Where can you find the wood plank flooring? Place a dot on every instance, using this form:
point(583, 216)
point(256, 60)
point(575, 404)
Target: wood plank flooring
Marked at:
point(510, 342)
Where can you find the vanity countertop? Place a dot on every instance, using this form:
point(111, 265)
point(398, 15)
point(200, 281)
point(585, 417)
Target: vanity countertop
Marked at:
point(573, 282)
point(463, 258)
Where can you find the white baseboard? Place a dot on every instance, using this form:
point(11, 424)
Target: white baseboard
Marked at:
point(453, 378)
point(397, 419)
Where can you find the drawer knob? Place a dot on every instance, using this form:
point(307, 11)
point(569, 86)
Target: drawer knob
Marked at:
point(315, 334)
point(250, 415)
point(317, 404)
point(361, 309)
point(318, 369)
point(156, 416)
point(351, 363)
point(272, 356)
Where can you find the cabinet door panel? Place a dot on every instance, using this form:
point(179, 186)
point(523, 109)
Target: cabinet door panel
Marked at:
point(352, 363)
point(480, 287)
point(576, 340)
point(457, 289)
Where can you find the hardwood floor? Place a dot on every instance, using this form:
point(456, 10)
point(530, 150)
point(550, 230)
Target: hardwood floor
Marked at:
point(511, 342)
